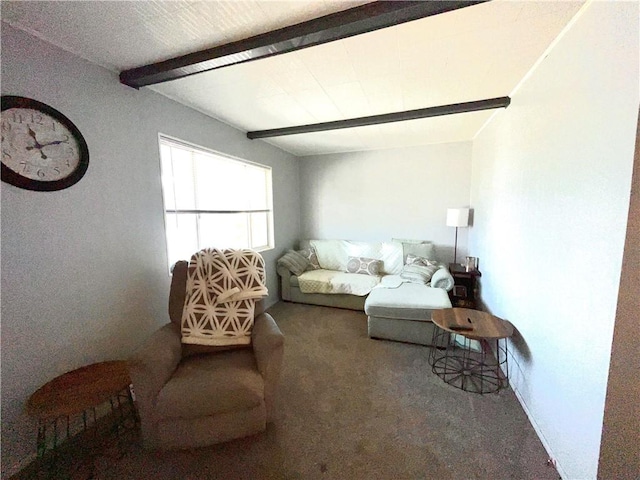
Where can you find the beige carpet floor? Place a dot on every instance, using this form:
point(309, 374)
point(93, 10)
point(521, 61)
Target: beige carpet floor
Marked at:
point(350, 407)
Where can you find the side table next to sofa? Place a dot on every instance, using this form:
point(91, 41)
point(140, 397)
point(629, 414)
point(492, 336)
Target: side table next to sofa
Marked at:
point(475, 358)
point(465, 290)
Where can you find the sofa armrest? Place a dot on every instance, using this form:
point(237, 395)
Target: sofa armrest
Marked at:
point(151, 366)
point(442, 278)
point(268, 347)
point(285, 282)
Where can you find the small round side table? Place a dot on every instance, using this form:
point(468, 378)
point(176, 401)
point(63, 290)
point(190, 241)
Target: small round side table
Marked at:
point(79, 411)
point(474, 351)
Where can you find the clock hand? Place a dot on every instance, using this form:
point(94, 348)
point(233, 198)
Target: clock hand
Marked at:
point(33, 134)
point(39, 147)
point(42, 155)
point(57, 142)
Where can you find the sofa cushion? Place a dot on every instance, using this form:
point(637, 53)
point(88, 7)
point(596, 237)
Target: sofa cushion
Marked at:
point(213, 383)
point(334, 254)
point(330, 281)
point(410, 301)
point(364, 266)
point(392, 256)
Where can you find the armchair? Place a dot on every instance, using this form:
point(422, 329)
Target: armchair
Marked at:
point(190, 395)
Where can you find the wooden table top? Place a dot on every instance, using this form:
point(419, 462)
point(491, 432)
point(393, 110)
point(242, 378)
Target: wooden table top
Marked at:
point(473, 324)
point(74, 392)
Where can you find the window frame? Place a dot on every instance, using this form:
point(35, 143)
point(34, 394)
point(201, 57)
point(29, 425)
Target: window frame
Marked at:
point(169, 140)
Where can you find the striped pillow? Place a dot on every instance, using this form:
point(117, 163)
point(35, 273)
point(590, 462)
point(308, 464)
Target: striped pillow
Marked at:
point(294, 262)
point(416, 260)
point(415, 273)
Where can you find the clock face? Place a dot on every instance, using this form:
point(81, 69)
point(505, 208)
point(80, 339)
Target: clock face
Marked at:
point(41, 148)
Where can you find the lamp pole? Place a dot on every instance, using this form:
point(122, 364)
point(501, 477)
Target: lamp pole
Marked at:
point(455, 248)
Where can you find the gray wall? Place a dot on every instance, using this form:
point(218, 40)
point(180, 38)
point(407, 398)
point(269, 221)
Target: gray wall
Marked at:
point(551, 183)
point(383, 194)
point(84, 270)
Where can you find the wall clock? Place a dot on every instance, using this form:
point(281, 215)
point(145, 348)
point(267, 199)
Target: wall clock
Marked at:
point(41, 148)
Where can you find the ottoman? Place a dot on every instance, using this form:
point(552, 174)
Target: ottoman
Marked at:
point(403, 314)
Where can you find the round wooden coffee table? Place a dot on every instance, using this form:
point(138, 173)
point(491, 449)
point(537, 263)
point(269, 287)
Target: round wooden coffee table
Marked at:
point(79, 411)
point(473, 349)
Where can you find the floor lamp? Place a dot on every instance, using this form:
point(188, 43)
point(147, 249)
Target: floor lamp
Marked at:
point(457, 217)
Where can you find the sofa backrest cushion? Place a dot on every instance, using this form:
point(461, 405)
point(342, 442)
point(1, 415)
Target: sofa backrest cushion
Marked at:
point(392, 256)
point(334, 254)
point(419, 248)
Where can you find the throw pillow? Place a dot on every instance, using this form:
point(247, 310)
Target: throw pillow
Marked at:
point(417, 247)
point(311, 255)
point(295, 262)
point(364, 266)
point(415, 260)
point(415, 273)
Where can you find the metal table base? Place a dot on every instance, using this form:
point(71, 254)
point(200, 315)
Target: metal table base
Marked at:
point(475, 365)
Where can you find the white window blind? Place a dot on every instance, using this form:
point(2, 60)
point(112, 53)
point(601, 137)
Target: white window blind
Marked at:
point(213, 201)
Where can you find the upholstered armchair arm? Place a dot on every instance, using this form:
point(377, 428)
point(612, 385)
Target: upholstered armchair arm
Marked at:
point(285, 282)
point(151, 366)
point(268, 347)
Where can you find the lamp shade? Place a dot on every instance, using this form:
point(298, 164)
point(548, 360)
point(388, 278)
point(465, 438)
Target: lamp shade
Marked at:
point(457, 217)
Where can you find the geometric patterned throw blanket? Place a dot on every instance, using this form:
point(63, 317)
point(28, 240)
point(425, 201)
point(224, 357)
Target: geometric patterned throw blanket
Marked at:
point(222, 288)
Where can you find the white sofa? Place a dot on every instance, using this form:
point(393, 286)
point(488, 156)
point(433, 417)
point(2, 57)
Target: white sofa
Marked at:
point(397, 309)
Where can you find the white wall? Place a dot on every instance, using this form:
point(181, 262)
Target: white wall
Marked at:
point(550, 183)
point(384, 194)
point(84, 270)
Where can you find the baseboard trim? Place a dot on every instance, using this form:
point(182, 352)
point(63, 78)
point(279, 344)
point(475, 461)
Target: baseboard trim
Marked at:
point(536, 427)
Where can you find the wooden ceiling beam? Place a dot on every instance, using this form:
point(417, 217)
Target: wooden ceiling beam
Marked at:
point(336, 26)
point(475, 106)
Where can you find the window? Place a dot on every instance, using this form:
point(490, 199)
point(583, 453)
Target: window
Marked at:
point(212, 200)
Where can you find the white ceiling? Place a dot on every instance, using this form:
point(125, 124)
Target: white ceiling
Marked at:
point(474, 53)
